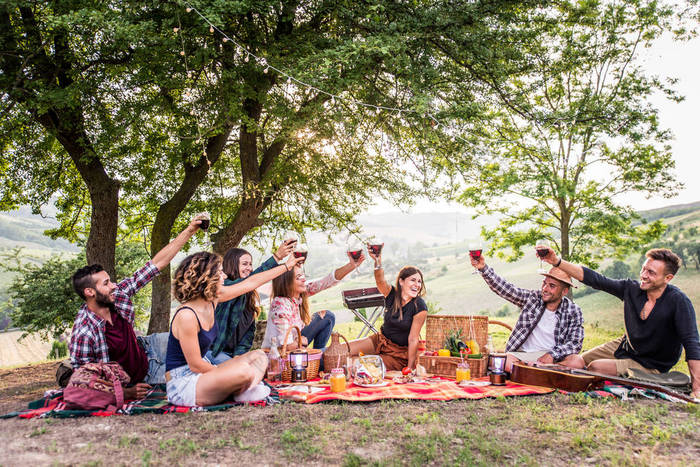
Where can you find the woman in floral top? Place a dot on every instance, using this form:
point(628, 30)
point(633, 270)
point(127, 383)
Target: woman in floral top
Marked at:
point(290, 307)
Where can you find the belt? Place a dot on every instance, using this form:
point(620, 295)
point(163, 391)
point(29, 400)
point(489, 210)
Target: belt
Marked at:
point(167, 376)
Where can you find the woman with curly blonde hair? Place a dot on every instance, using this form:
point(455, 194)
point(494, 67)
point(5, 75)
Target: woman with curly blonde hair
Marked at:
point(191, 379)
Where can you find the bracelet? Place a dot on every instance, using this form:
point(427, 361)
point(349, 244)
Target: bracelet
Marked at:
point(276, 258)
point(558, 263)
point(377, 268)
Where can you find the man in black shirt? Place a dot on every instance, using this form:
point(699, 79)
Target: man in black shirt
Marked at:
point(659, 319)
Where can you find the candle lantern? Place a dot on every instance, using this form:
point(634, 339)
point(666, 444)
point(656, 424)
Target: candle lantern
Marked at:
point(497, 366)
point(298, 362)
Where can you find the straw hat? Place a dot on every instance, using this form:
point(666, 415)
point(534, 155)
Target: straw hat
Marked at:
point(558, 274)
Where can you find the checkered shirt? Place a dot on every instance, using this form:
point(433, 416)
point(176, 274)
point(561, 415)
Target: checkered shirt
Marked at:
point(568, 331)
point(87, 340)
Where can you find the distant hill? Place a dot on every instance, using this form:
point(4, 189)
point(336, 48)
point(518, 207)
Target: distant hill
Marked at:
point(22, 228)
point(670, 211)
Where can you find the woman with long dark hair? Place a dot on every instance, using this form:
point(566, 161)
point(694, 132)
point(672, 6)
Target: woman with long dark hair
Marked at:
point(191, 379)
point(404, 316)
point(235, 318)
point(290, 307)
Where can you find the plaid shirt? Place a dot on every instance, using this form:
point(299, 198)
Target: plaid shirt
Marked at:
point(87, 340)
point(568, 331)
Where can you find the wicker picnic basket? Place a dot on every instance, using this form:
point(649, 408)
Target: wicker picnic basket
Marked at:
point(314, 358)
point(438, 327)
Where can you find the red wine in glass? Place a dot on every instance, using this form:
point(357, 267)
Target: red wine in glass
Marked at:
point(355, 254)
point(375, 249)
point(542, 252)
point(475, 254)
point(204, 224)
point(301, 254)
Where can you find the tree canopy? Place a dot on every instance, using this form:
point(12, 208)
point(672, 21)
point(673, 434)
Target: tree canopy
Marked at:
point(575, 132)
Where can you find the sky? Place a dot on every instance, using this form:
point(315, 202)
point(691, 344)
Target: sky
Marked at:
point(666, 59)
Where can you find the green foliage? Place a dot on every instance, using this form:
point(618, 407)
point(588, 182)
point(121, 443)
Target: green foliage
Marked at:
point(572, 132)
point(618, 270)
point(42, 298)
point(59, 349)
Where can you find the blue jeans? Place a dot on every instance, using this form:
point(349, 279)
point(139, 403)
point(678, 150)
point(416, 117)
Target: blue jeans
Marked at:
point(319, 330)
point(156, 347)
point(220, 358)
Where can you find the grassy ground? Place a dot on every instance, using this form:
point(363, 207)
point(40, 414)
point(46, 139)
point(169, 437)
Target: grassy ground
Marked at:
point(553, 430)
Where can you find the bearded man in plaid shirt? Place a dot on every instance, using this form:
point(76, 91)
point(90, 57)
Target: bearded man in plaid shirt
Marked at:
point(104, 327)
point(550, 325)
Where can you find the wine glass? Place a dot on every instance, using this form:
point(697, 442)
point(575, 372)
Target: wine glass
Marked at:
point(301, 251)
point(205, 219)
point(290, 236)
point(475, 249)
point(355, 252)
point(542, 248)
point(375, 247)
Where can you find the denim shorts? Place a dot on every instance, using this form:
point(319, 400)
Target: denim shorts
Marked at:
point(182, 387)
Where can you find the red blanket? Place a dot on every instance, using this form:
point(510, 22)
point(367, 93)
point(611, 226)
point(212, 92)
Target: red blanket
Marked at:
point(436, 391)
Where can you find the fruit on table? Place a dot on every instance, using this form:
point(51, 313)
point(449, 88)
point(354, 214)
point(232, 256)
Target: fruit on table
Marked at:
point(406, 370)
point(443, 353)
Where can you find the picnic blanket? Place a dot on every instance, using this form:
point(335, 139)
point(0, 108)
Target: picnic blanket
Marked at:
point(443, 390)
point(156, 401)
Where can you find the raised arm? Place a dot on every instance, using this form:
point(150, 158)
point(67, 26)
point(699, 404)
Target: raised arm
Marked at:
point(574, 270)
point(164, 256)
point(349, 267)
point(414, 336)
point(229, 292)
point(500, 286)
point(382, 284)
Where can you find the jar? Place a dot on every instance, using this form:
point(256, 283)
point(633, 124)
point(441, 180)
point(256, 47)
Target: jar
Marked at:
point(464, 373)
point(337, 379)
point(421, 346)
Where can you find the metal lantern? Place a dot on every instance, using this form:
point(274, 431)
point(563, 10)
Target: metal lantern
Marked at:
point(298, 362)
point(497, 366)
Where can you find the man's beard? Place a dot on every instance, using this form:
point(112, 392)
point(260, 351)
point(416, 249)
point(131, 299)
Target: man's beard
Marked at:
point(104, 300)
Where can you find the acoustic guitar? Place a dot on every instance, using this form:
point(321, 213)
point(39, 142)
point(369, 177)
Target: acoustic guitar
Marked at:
point(571, 380)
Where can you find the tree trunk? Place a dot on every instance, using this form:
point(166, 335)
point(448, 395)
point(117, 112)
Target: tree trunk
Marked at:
point(246, 218)
point(168, 213)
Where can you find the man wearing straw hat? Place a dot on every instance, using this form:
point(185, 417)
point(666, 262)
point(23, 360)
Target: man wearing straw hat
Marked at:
point(550, 325)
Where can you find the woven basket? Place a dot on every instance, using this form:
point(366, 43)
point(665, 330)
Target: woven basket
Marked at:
point(438, 327)
point(447, 366)
point(314, 358)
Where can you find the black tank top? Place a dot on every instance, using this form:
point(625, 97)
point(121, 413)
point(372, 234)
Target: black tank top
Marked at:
point(175, 358)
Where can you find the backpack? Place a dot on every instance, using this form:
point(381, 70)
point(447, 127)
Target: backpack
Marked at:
point(96, 386)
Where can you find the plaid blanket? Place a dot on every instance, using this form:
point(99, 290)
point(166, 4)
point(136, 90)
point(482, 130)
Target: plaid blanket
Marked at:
point(156, 401)
point(444, 390)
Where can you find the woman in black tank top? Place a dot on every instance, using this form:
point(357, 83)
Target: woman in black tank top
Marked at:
point(404, 316)
point(198, 283)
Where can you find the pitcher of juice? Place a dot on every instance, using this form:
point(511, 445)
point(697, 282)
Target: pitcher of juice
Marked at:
point(463, 372)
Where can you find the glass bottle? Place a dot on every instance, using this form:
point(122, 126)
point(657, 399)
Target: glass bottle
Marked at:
point(273, 368)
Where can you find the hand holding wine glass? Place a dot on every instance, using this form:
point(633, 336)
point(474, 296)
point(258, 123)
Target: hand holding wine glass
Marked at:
point(294, 261)
point(285, 249)
point(201, 220)
point(477, 260)
point(355, 259)
point(542, 249)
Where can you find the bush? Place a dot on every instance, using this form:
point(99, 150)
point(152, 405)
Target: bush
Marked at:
point(42, 298)
point(361, 311)
point(59, 349)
